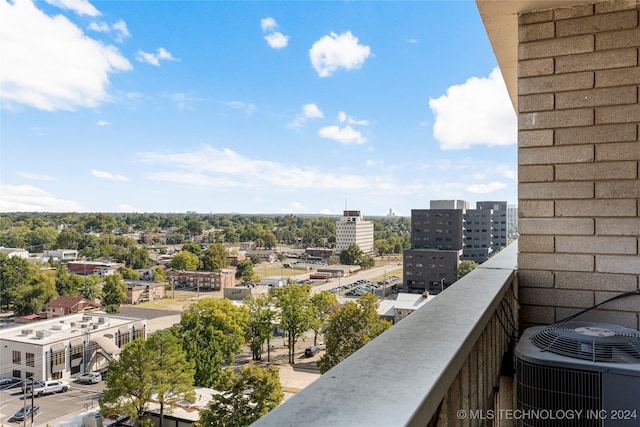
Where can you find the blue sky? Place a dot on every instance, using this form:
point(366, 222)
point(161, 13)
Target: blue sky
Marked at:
point(250, 107)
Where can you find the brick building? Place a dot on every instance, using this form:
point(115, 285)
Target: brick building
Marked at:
point(572, 72)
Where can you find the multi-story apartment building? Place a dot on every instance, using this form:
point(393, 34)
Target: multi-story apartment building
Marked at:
point(447, 233)
point(352, 228)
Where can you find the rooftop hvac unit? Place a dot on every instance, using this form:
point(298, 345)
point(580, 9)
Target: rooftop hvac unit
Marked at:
point(43, 334)
point(578, 374)
point(26, 331)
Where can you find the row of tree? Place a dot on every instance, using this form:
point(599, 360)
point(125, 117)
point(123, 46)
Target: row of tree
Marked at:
point(84, 232)
point(201, 350)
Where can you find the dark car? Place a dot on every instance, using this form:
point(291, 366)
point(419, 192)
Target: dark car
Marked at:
point(311, 351)
point(26, 410)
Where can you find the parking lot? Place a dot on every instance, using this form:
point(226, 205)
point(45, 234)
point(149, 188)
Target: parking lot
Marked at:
point(53, 407)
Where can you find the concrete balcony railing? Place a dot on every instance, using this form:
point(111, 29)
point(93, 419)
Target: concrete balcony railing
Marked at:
point(442, 365)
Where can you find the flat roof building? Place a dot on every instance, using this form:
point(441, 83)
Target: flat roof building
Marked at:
point(65, 347)
point(351, 229)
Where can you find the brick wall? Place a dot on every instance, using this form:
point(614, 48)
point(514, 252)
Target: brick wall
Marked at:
point(578, 161)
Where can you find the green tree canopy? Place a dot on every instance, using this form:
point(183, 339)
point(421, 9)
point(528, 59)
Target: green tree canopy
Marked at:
point(172, 376)
point(184, 260)
point(128, 273)
point(261, 321)
point(350, 328)
point(243, 398)
point(245, 272)
point(215, 258)
point(114, 293)
point(130, 381)
point(294, 303)
point(14, 272)
point(212, 332)
point(351, 255)
point(194, 248)
point(322, 304)
point(32, 296)
point(464, 268)
point(90, 287)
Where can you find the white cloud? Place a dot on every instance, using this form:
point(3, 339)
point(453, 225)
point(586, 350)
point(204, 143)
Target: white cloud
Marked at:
point(297, 207)
point(53, 65)
point(154, 58)
point(26, 198)
point(108, 175)
point(374, 162)
point(268, 24)
point(119, 28)
point(123, 207)
point(183, 101)
point(326, 212)
point(346, 135)
point(507, 171)
point(37, 177)
point(342, 117)
point(122, 32)
point(335, 51)
point(244, 106)
point(211, 167)
point(103, 123)
point(277, 40)
point(478, 112)
point(81, 7)
point(486, 188)
point(309, 111)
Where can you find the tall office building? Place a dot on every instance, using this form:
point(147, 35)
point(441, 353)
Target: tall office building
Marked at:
point(446, 234)
point(352, 228)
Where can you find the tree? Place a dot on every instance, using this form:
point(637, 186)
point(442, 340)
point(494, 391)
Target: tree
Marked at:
point(90, 287)
point(32, 296)
point(367, 261)
point(41, 238)
point(68, 239)
point(244, 271)
point(215, 258)
point(14, 271)
point(172, 377)
point(114, 293)
point(184, 260)
point(194, 248)
point(159, 275)
point(130, 381)
point(65, 283)
point(212, 332)
point(465, 267)
point(351, 255)
point(350, 328)
point(260, 326)
point(128, 273)
point(321, 305)
point(243, 398)
point(294, 302)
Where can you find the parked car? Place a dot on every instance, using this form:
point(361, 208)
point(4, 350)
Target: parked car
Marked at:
point(6, 380)
point(48, 387)
point(90, 378)
point(311, 351)
point(25, 412)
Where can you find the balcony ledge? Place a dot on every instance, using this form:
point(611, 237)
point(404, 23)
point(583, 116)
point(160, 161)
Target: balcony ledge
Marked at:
point(401, 377)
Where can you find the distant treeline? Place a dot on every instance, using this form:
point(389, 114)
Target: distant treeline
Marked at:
point(86, 232)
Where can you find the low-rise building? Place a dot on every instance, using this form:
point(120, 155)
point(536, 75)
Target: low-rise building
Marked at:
point(102, 268)
point(142, 291)
point(65, 347)
point(64, 305)
point(61, 254)
point(275, 281)
point(11, 252)
point(203, 280)
point(240, 292)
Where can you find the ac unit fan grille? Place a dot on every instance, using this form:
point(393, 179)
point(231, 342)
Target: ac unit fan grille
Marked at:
point(557, 389)
point(589, 341)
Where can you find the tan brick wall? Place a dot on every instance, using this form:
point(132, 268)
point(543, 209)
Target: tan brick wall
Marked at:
point(579, 162)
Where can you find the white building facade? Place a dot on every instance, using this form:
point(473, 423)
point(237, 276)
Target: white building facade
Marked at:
point(352, 228)
point(66, 347)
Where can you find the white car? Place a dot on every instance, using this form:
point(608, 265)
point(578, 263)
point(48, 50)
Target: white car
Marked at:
point(5, 380)
point(90, 378)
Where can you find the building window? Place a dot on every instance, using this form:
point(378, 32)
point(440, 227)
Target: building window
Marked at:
point(30, 359)
point(138, 333)
point(56, 375)
point(16, 357)
point(29, 375)
point(123, 339)
point(76, 359)
point(57, 358)
point(16, 374)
